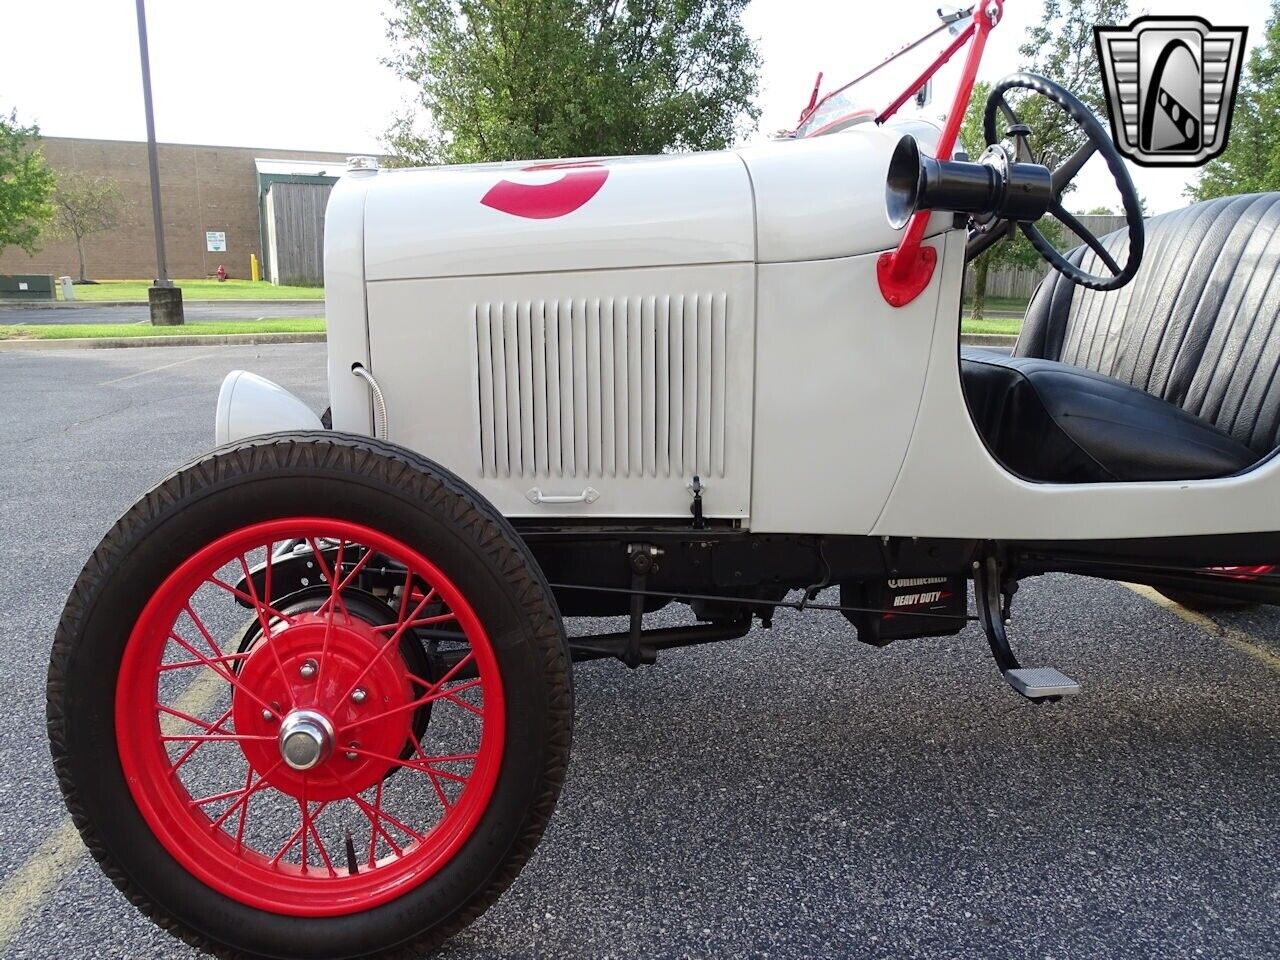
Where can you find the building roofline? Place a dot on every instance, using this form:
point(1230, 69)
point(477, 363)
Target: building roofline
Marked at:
point(209, 146)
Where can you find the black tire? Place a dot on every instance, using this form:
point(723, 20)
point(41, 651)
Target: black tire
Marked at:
point(345, 477)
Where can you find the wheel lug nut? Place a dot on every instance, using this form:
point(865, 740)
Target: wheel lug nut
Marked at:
point(358, 695)
point(308, 670)
point(268, 716)
point(351, 751)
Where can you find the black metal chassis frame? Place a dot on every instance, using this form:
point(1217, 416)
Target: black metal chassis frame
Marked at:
point(731, 577)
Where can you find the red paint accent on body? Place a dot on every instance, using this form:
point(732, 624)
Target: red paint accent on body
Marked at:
point(900, 288)
point(1243, 573)
point(546, 201)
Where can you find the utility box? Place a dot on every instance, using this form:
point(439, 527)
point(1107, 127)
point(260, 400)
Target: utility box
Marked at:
point(68, 288)
point(27, 287)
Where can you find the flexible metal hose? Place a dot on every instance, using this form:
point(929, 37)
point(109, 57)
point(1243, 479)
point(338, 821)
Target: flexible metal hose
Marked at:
point(381, 425)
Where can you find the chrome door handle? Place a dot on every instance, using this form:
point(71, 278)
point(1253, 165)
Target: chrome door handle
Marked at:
point(589, 495)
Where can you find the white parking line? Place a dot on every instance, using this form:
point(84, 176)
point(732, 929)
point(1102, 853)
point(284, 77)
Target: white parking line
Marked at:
point(142, 373)
point(1237, 639)
point(55, 859)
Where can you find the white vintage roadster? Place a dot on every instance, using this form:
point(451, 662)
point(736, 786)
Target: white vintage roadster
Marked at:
point(311, 696)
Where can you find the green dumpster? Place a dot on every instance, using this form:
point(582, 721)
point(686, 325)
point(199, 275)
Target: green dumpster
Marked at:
point(27, 287)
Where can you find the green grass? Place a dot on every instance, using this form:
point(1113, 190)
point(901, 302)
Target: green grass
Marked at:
point(66, 331)
point(1004, 325)
point(1016, 305)
point(197, 290)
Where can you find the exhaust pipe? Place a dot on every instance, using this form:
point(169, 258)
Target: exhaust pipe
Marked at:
point(995, 187)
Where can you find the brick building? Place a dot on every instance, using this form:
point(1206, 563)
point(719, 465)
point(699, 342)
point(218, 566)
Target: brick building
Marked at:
point(203, 189)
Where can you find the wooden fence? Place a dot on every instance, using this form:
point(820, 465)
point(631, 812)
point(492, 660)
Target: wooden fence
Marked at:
point(295, 232)
point(1020, 282)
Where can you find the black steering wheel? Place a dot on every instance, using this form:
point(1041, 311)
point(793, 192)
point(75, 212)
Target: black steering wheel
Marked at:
point(1096, 140)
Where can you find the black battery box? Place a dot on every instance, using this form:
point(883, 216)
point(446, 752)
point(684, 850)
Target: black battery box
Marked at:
point(911, 607)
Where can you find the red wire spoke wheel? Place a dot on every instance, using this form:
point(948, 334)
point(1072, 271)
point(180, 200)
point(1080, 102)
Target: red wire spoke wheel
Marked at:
point(311, 677)
point(320, 712)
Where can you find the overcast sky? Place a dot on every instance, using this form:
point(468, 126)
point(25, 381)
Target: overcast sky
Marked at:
point(307, 75)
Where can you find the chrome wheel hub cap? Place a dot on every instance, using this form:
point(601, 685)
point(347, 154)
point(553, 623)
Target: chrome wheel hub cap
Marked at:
point(306, 739)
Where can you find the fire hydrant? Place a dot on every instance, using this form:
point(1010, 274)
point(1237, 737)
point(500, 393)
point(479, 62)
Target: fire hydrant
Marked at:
point(221, 273)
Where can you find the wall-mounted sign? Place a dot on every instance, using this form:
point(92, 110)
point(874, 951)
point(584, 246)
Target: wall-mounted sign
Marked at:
point(215, 241)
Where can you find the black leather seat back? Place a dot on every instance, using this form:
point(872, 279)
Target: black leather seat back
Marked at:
point(1199, 326)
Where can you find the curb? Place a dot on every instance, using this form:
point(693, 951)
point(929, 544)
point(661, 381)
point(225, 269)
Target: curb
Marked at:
point(240, 339)
point(206, 340)
point(91, 304)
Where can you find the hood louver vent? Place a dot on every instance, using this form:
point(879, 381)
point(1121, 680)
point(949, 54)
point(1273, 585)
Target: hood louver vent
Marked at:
point(602, 387)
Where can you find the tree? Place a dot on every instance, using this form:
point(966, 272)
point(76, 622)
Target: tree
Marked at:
point(1103, 211)
point(85, 206)
point(26, 184)
point(1251, 162)
point(519, 79)
point(1061, 48)
point(1014, 252)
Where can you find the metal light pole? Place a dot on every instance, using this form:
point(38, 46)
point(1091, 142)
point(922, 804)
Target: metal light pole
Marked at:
point(164, 297)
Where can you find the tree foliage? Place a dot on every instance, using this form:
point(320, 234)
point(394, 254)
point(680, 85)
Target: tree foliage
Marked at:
point(84, 206)
point(1060, 48)
point(1251, 162)
point(519, 79)
point(1014, 252)
point(26, 185)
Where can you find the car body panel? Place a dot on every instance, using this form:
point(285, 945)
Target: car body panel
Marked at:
point(602, 214)
point(346, 316)
point(826, 410)
point(541, 387)
point(839, 376)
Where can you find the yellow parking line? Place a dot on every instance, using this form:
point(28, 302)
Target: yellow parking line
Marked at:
point(27, 886)
point(1236, 639)
point(60, 854)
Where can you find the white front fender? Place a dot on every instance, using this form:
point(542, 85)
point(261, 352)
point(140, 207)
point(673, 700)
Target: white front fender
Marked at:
point(249, 405)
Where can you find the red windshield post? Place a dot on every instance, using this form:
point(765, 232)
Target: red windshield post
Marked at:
point(813, 99)
point(906, 271)
point(933, 68)
point(815, 103)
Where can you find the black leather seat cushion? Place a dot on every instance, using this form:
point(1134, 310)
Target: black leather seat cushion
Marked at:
point(1199, 326)
point(1175, 376)
point(1054, 422)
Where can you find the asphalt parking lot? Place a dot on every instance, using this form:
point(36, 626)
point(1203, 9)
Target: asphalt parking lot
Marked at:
point(791, 795)
point(200, 310)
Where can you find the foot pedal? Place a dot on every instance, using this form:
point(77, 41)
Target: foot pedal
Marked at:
point(1041, 683)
